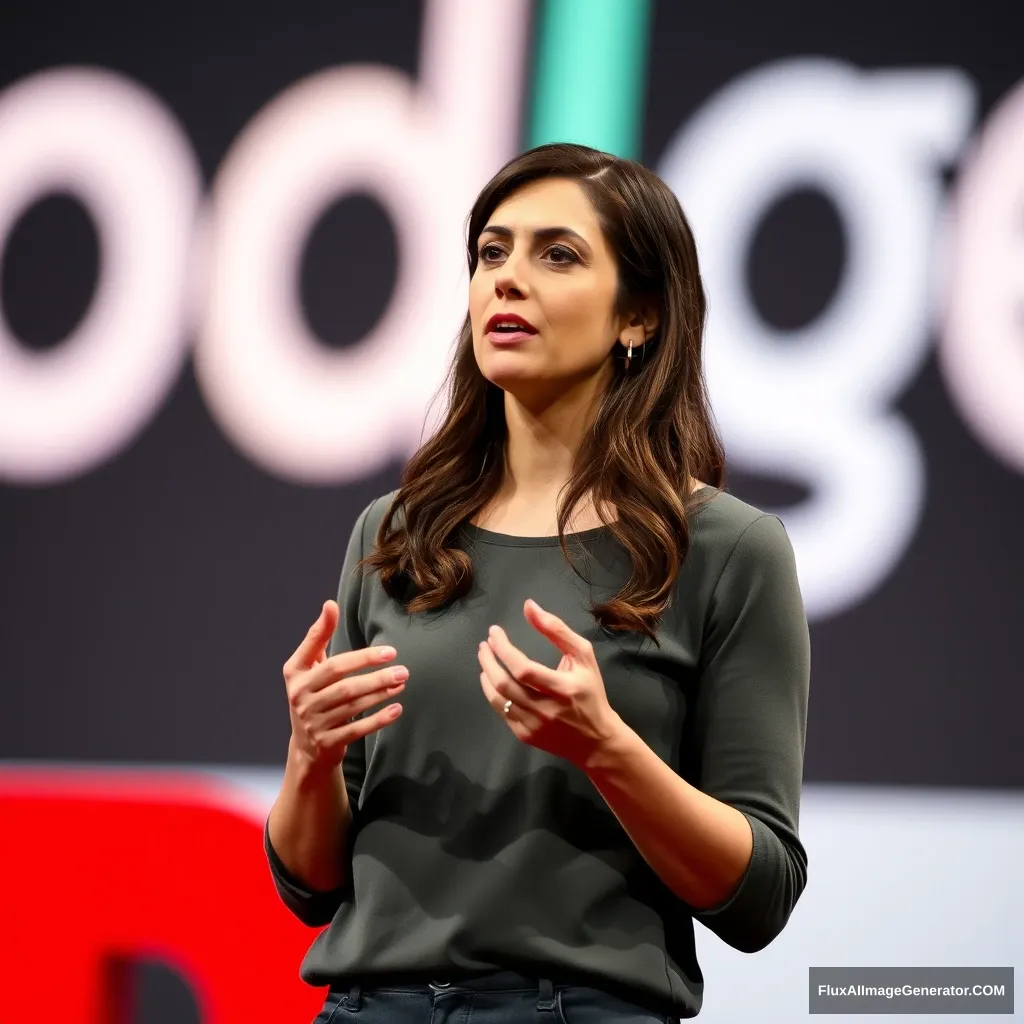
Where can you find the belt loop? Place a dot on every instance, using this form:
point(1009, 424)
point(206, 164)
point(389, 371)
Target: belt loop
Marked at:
point(351, 1001)
point(547, 995)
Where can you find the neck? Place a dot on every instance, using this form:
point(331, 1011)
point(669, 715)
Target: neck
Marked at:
point(543, 439)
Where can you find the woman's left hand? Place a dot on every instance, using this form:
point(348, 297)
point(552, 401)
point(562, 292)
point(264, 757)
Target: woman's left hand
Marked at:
point(564, 711)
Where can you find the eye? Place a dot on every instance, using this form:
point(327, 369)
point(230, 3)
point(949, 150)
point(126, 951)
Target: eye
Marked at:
point(485, 249)
point(565, 255)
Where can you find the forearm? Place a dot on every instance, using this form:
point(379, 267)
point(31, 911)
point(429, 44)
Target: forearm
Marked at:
point(309, 822)
point(697, 845)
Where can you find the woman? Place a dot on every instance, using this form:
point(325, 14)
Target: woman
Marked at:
point(601, 734)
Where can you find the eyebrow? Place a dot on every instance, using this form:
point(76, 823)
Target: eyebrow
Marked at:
point(541, 234)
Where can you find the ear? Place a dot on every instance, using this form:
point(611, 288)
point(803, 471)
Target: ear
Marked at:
point(645, 317)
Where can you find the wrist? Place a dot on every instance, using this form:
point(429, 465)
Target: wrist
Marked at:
point(608, 753)
point(307, 772)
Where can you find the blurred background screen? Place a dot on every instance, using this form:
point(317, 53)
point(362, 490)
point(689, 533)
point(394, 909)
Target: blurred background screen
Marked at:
point(231, 273)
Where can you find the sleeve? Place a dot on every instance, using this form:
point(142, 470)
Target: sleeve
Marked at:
point(313, 908)
point(751, 719)
point(317, 908)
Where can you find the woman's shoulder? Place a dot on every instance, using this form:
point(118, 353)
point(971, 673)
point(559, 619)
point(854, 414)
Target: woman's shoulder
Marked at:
point(720, 521)
point(374, 512)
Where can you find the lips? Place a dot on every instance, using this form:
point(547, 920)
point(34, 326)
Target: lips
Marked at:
point(526, 328)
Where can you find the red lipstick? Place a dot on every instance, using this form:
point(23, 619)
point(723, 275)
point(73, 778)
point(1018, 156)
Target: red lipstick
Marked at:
point(508, 328)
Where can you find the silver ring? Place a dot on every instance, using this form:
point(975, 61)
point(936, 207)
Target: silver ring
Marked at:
point(508, 704)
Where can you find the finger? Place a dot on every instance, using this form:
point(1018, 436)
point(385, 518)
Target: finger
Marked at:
point(506, 686)
point(341, 714)
point(565, 639)
point(360, 727)
point(520, 717)
point(348, 663)
point(316, 639)
point(525, 670)
point(349, 688)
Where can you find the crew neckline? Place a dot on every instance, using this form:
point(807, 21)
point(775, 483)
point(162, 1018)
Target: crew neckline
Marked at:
point(511, 540)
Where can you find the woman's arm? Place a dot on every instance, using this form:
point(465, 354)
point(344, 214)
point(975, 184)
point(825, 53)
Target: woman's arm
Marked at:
point(308, 824)
point(306, 838)
point(730, 848)
point(698, 846)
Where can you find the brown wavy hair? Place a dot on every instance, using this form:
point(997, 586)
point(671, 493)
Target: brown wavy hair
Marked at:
point(653, 428)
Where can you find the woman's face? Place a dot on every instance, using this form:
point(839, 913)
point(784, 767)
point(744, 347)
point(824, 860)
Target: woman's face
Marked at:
point(542, 256)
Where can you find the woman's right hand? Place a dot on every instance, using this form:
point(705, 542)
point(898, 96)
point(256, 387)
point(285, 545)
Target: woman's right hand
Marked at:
point(322, 701)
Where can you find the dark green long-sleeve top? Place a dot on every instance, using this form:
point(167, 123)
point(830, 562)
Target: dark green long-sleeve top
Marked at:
point(472, 851)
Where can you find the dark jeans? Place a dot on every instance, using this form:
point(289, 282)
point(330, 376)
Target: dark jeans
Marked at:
point(500, 998)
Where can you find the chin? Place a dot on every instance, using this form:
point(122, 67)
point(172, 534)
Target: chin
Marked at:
point(508, 381)
point(508, 368)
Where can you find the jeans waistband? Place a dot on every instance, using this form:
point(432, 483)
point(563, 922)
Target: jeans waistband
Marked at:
point(494, 981)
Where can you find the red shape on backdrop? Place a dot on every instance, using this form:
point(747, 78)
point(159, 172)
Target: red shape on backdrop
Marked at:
point(101, 867)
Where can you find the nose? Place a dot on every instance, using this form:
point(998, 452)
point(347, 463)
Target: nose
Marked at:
point(509, 279)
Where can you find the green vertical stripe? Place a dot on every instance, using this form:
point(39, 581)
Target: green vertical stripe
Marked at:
point(589, 74)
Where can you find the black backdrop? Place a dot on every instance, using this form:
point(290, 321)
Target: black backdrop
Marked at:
point(148, 605)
